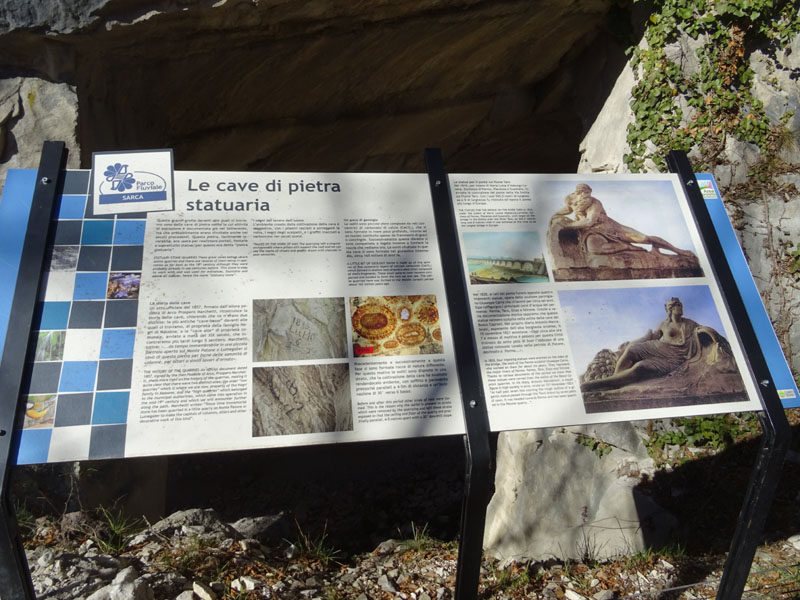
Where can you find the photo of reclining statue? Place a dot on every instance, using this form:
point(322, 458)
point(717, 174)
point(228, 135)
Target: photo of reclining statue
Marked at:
point(588, 245)
point(679, 362)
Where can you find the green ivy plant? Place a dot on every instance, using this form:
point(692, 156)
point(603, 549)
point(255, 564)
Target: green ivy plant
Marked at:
point(715, 432)
point(718, 100)
point(596, 445)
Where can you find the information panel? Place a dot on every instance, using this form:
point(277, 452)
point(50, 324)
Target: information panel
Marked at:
point(277, 309)
point(594, 300)
point(283, 309)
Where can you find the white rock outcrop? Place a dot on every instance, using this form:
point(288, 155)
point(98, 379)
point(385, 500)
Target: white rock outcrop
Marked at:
point(557, 498)
point(33, 111)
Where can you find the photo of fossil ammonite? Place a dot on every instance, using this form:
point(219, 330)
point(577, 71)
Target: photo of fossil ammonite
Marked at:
point(299, 329)
point(395, 325)
point(301, 399)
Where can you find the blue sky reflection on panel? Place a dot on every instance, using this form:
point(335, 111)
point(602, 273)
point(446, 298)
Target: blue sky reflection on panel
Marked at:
point(500, 244)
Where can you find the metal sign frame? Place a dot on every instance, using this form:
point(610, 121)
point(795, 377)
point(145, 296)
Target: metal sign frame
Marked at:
point(13, 564)
point(479, 476)
point(777, 434)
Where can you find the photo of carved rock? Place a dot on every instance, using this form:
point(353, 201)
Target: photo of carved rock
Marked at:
point(395, 325)
point(622, 233)
point(301, 399)
point(650, 348)
point(504, 257)
point(299, 329)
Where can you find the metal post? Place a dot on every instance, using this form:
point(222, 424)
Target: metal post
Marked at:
point(14, 573)
point(777, 434)
point(479, 463)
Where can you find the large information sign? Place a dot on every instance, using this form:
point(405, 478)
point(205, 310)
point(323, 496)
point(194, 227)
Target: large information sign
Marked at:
point(272, 309)
point(282, 309)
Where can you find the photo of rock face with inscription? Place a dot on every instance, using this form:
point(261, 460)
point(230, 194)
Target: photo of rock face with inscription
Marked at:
point(301, 399)
point(299, 329)
point(395, 325)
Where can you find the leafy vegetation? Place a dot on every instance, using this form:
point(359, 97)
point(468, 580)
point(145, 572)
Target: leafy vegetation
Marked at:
point(677, 109)
point(420, 540)
point(115, 526)
point(596, 445)
point(315, 547)
point(26, 520)
point(713, 432)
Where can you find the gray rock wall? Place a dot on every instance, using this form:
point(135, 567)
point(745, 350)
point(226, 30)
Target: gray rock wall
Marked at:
point(33, 111)
point(298, 86)
point(270, 85)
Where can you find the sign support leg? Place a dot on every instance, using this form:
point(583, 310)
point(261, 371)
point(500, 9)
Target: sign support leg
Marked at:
point(777, 434)
point(14, 573)
point(479, 476)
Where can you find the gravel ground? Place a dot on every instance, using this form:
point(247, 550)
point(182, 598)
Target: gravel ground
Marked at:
point(350, 524)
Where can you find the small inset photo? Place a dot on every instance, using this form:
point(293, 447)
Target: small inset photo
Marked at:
point(650, 348)
point(49, 346)
point(123, 285)
point(395, 325)
point(617, 229)
point(40, 411)
point(505, 257)
point(299, 329)
point(301, 399)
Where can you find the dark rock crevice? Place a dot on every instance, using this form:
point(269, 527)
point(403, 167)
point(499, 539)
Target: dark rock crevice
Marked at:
point(509, 86)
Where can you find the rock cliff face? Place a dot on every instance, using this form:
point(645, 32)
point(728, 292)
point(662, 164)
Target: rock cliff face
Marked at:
point(354, 86)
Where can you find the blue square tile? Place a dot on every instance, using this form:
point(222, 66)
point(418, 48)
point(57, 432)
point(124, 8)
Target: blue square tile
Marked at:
point(127, 258)
point(110, 407)
point(107, 441)
point(78, 376)
point(34, 445)
point(76, 182)
point(90, 286)
point(117, 343)
point(97, 232)
point(54, 315)
point(94, 258)
point(129, 233)
point(71, 207)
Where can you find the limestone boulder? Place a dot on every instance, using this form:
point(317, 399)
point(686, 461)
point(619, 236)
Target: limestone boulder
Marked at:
point(33, 111)
point(559, 495)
